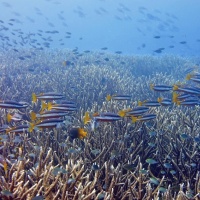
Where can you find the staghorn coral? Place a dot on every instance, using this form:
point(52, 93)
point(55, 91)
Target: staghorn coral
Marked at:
point(112, 162)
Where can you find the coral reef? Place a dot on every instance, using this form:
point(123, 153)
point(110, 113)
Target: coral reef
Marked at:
point(158, 159)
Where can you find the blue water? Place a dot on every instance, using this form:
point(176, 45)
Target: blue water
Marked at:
point(132, 27)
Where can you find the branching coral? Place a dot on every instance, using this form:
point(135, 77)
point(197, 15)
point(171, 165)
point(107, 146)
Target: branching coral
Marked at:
point(117, 160)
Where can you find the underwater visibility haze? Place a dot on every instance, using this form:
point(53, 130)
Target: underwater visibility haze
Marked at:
point(99, 99)
point(133, 27)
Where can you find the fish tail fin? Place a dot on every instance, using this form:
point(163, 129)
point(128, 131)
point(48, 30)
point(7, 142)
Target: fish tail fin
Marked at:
point(31, 127)
point(34, 98)
point(140, 103)
point(188, 77)
point(175, 87)
point(81, 133)
point(134, 119)
point(33, 116)
point(49, 106)
point(151, 86)
point(9, 117)
point(86, 118)
point(174, 97)
point(44, 106)
point(160, 99)
point(8, 130)
point(122, 113)
point(108, 97)
point(5, 166)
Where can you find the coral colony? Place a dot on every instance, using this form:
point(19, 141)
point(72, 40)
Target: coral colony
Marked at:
point(98, 126)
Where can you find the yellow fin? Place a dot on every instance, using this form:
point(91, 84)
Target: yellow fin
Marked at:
point(160, 99)
point(34, 98)
point(108, 97)
point(86, 118)
point(49, 106)
point(5, 166)
point(81, 133)
point(134, 119)
point(174, 97)
point(151, 86)
point(175, 87)
point(188, 77)
point(122, 113)
point(31, 127)
point(140, 103)
point(9, 117)
point(44, 106)
point(33, 116)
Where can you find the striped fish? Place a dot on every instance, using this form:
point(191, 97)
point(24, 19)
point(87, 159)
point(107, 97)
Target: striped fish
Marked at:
point(15, 117)
point(47, 96)
point(193, 77)
point(18, 129)
point(11, 104)
point(62, 107)
point(118, 97)
point(149, 103)
point(140, 110)
point(160, 88)
point(107, 117)
point(188, 90)
point(46, 123)
point(48, 114)
point(188, 102)
point(165, 101)
point(143, 118)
